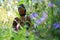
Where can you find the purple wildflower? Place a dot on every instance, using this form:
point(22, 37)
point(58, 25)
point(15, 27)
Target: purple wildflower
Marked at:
point(37, 22)
point(33, 15)
point(44, 14)
point(50, 4)
point(56, 25)
point(42, 19)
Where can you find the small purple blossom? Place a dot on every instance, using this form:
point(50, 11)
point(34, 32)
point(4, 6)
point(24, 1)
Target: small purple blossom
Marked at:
point(37, 22)
point(44, 14)
point(56, 25)
point(33, 15)
point(50, 4)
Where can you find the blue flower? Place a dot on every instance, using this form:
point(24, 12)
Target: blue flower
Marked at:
point(50, 4)
point(33, 15)
point(56, 25)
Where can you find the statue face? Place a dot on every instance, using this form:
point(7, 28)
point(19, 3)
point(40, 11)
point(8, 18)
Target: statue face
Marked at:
point(22, 11)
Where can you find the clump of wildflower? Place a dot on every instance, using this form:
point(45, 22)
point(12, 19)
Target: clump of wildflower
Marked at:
point(50, 4)
point(56, 25)
point(33, 15)
point(42, 19)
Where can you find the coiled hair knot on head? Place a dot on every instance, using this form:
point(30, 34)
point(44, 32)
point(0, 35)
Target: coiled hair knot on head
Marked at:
point(21, 6)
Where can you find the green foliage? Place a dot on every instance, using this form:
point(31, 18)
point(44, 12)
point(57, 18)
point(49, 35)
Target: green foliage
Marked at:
point(46, 30)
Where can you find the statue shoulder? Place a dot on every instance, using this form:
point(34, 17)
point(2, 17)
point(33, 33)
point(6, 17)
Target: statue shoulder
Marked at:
point(16, 19)
point(28, 18)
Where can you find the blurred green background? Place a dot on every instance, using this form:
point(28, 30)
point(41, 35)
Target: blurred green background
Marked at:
point(45, 30)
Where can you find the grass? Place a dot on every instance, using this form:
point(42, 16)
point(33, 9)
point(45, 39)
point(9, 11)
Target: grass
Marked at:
point(43, 31)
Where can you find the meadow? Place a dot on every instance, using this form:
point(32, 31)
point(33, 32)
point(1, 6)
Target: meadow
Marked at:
point(44, 14)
